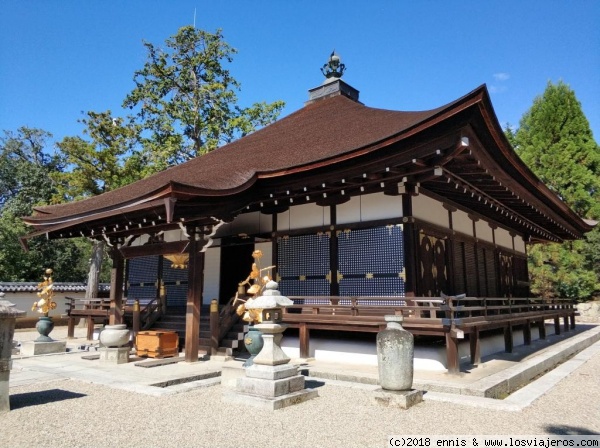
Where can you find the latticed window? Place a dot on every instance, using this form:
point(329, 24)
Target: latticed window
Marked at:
point(143, 275)
point(371, 262)
point(303, 265)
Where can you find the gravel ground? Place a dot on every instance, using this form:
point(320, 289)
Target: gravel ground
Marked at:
point(68, 413)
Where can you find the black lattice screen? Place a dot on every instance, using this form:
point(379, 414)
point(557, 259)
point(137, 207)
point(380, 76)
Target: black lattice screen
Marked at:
point(143, 273)
point(303, 265)
point(371, 262)
point(176, 284)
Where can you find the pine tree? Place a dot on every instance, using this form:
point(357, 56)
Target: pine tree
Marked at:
point(555, 140)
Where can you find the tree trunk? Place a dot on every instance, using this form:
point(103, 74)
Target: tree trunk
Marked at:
point(91, 289)
point(94, 273)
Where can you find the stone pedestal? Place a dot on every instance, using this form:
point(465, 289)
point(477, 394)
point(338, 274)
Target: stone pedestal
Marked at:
point(270, 387)
point(114, 355)
point(8, 316)
point(402, 399)
point(32, 348)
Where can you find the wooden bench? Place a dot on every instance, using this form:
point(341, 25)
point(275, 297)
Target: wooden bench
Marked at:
point(95, 310)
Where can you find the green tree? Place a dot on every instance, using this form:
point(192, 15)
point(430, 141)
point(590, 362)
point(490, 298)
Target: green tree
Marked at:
point(555, 140)
point(185, 105)
point(25, 181)
point(185, 99)
point(102, 162)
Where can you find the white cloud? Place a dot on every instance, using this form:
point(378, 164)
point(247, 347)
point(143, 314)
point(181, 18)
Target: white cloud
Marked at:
point(498, 89)
point(501, 76)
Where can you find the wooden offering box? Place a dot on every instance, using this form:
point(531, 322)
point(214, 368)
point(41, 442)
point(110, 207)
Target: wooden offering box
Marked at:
point(157, 344)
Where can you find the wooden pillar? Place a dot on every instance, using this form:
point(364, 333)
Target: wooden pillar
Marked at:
point(194, 298)
point(334, 264)
point(90, 328)
point(508, 338)
point(116, 287)
point(304, 336)
point(475, 344)
point(542, 328)
point(557, 325)
point(572, 317)
point(566, 323)
point(452, 360)
point(409, 238)
point(527, 332)
point(214, 327)
point(136, 317)
point(71, 328)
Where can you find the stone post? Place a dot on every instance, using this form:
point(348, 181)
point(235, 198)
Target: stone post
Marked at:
point(395, 359)
point(8, 316)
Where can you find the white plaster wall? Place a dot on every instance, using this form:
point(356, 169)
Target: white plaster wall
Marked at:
point(462, 223)
point(484, 231)
point(380, 206)
point(349, 211)
point(174, 235)
point(369, 207)
point(520, 245)
point(429, 210)
point(212, 273)
point(426, 358)
point(302, 216)
point(503, 238)
point(24, 300)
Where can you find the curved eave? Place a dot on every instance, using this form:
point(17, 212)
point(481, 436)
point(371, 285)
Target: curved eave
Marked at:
point(153, 200)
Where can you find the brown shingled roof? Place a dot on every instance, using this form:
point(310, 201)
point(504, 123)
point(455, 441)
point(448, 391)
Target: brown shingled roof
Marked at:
point(317, 132)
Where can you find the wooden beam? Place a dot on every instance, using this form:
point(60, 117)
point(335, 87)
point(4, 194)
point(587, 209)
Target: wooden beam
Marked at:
point(173, 247)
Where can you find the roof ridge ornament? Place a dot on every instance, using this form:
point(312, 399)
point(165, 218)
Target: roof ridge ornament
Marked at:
point(333, 68)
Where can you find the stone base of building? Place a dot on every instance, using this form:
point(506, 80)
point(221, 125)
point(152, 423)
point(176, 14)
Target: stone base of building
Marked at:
point(114, 355)
point(402, 399)
point(32, 348)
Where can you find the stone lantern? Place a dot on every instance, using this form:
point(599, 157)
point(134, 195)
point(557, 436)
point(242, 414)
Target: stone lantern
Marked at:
point(271, 382)
point(8, 316)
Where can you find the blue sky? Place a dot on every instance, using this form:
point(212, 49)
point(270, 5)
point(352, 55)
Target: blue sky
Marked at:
point(61, 58)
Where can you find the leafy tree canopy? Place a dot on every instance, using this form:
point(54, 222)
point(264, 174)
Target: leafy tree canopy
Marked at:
point(185, 99)
point(26, 169)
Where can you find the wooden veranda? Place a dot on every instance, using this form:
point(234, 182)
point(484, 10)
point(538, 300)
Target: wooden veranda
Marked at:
point(451, 317)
